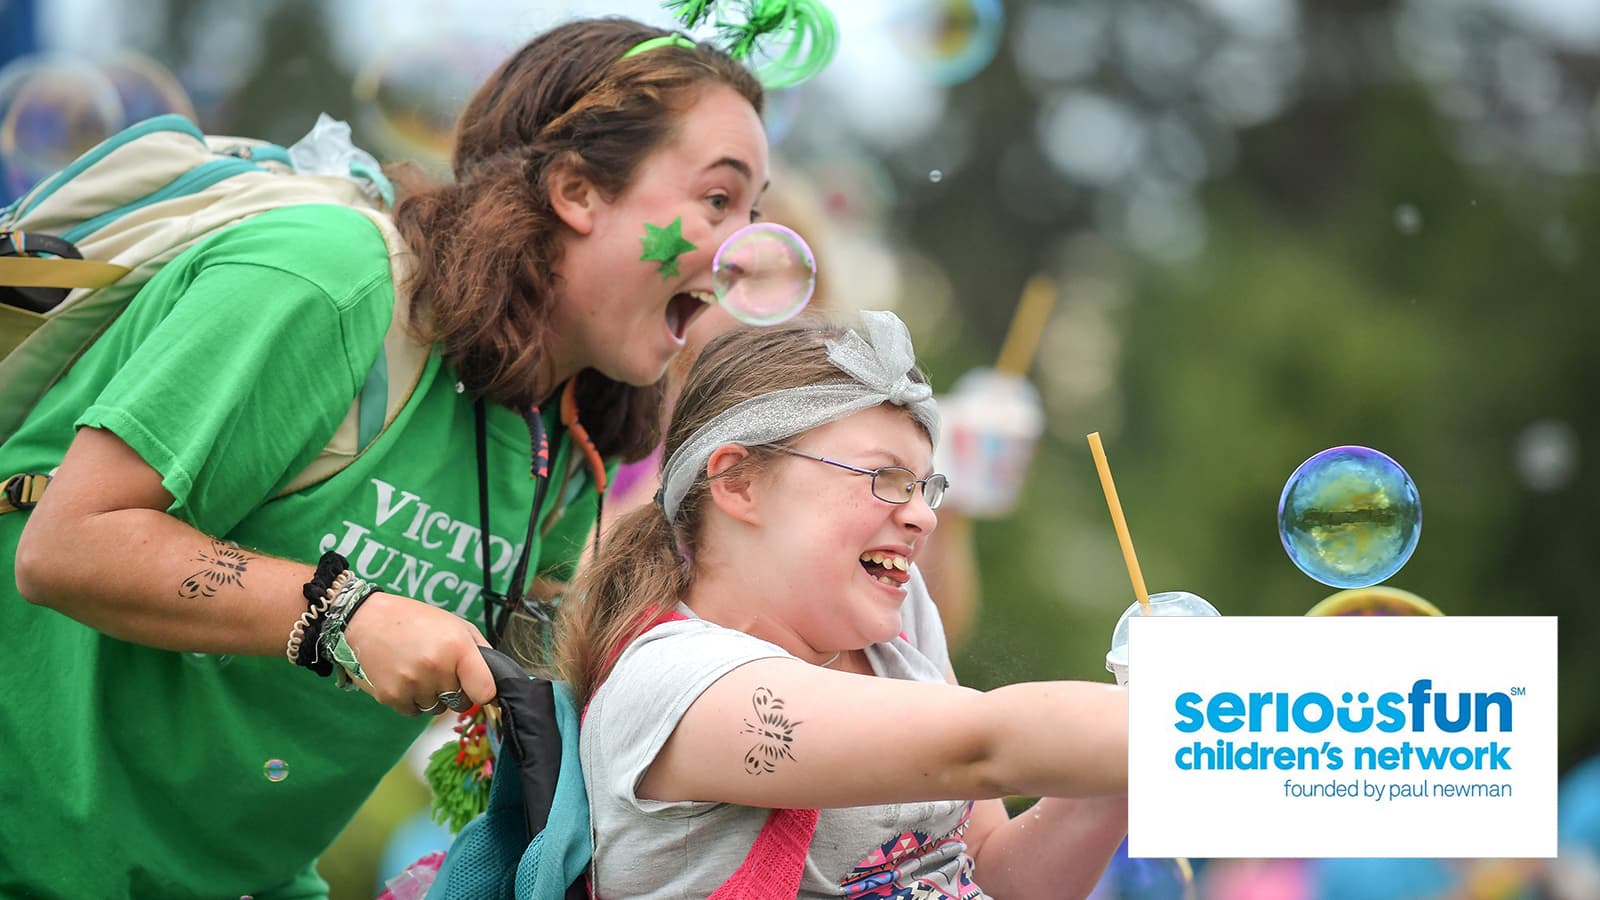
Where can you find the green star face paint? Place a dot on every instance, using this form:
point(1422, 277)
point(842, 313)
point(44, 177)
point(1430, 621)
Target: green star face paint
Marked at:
point(664, 246)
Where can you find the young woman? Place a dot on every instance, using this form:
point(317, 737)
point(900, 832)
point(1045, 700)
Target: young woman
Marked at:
point(164, 739)
point(748, 645)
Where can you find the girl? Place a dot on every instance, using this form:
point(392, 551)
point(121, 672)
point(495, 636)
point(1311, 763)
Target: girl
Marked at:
point(749, 651)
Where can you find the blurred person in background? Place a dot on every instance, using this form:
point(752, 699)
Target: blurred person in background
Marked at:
point(166, 741)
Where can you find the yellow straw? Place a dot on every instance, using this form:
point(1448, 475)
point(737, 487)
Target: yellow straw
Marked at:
point(1027, 326)
point(1119, 522)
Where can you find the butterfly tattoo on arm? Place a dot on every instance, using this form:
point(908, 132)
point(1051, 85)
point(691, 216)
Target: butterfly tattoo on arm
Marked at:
point(774, 732)
point(222, 565)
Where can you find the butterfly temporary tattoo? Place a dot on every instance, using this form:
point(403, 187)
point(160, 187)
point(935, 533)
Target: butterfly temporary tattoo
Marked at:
point(223, 566)
point(774, 733)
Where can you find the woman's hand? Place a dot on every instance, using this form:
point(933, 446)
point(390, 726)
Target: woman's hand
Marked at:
point(412, 652)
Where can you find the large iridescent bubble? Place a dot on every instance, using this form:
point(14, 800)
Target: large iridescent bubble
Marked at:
point(764, 274)
point(1349, 517)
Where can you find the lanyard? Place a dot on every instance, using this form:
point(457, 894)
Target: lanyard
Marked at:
point(497, 607)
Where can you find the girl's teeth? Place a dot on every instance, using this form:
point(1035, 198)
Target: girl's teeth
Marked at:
point(887, 560)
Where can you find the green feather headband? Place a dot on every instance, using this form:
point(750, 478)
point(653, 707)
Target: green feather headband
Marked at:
point(809, 26)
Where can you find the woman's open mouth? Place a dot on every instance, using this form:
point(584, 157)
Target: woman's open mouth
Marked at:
point(682, 310)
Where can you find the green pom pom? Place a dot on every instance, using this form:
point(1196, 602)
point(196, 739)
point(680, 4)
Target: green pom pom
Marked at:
point(459, 794)
point(690, 12)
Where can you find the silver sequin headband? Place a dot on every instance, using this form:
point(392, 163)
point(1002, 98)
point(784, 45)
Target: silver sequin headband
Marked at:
point(880, 364)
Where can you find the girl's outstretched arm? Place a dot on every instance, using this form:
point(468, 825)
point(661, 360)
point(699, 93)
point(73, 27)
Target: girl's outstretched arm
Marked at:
point(781, 733)
point(1054, 850)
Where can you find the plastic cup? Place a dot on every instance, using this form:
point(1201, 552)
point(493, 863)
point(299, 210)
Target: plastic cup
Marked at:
point(1166, 603)
point(991, 424)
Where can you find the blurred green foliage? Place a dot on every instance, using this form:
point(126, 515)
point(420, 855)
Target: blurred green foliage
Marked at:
point(1294, 333)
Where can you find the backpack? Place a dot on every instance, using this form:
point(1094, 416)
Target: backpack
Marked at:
point(534, 841)
point(77, 248)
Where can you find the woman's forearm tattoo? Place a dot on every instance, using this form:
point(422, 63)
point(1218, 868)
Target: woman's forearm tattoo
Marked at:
point(221, 566)
point(774, 733)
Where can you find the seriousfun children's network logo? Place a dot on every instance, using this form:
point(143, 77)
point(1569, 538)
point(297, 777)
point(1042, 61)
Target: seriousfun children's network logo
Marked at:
point(1313, 713)
point(1342, 737)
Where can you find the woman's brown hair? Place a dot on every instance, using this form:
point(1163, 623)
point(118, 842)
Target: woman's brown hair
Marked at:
point(646, 567)
point(487, 244)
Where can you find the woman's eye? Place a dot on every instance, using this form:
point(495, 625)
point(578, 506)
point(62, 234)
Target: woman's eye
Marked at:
point(719, 202)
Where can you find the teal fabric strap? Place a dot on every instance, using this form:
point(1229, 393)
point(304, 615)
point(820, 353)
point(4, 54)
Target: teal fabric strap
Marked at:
point(666, 40)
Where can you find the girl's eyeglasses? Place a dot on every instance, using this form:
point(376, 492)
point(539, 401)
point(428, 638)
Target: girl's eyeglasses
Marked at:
point(891, 484)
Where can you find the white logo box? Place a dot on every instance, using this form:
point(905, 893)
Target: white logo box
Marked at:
point(1397, 791)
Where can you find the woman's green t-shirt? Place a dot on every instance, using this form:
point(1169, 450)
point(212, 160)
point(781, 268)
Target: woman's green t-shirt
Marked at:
point(130, 771)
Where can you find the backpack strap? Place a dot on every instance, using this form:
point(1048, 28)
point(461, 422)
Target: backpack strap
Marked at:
point(391, 380)
point(777, 859)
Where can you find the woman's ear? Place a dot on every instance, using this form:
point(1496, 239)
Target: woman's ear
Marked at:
point(732, 492)
point(573, 196)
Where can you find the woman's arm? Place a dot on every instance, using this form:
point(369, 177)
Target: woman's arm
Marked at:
point(781, 733)
point(101, 548)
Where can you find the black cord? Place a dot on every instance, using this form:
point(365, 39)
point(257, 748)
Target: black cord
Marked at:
point(497, 607)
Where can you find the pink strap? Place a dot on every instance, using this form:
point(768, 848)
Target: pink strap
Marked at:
point(777, 859)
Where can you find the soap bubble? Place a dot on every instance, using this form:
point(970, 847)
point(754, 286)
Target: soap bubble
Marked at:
point(52, 109)
point(1378, 600)
point(952, 40)
point(1349, 517)
point(276, 770)
point(146, 88)
point(1166, 603)
point(410, 95)
point(764, 274)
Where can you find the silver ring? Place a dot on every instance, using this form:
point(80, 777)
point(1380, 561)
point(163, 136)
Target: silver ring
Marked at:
point(456, 700)
point(433, 710)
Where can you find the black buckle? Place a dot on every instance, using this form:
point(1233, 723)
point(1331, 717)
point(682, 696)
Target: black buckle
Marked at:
point(23, 490)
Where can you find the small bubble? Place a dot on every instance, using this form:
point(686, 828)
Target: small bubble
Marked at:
point(460, 388)
point(276, 770)
point(1407, 219)
point(935, 176)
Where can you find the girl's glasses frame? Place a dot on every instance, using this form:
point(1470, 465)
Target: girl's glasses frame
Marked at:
point(898, 482)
